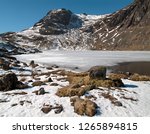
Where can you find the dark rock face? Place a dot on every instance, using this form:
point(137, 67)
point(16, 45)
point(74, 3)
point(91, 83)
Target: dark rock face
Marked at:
point(8, 82)
point(55, 22)
point(62, 16)
point(135, 14)
point(127, 29)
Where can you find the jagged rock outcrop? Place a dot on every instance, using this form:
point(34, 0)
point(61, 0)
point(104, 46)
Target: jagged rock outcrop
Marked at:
point(126, 29)
point(133, 15)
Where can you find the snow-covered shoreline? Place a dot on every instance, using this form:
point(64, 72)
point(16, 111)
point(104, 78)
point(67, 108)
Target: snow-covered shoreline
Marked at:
point(134, 97)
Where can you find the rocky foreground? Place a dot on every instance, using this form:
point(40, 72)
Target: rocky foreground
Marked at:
point(31, 89)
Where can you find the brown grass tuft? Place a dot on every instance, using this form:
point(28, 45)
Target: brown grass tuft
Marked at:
point(137, 77)
point(84, 106)
point(117, 76)
point(17, 93)
point(70, 91)
point(38, 83)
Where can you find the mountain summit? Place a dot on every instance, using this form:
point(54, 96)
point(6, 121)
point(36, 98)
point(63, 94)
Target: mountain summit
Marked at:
point(126, 29)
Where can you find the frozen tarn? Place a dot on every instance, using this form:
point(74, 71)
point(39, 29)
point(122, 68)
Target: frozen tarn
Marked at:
point(85, 59)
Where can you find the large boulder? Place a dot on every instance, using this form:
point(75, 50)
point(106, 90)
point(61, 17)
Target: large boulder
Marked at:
point(97, 72)
point(8, 82)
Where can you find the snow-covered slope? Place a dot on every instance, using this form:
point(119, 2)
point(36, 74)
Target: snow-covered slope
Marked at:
point(126, 29)
point(75, 35)
point(59, 29)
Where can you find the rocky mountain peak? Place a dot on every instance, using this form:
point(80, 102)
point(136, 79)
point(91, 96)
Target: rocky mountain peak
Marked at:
point(61, 16)
point(54, 22)
point(126, 29)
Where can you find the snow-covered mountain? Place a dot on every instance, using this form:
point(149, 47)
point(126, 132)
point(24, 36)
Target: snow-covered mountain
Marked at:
point(58, 29)
point(126, 29)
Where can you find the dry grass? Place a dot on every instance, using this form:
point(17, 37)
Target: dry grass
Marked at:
point(84, 106)
point(70, 91)
point(85, 80)
point(38, 83)
point(137, 77)
point(80, 83)
point(118, 76)
point(107, 83)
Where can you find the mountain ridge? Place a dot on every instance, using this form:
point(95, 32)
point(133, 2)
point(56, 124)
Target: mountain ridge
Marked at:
point(126, 29)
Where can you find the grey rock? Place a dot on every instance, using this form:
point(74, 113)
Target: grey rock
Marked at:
point(8, 82)
point(97, 72)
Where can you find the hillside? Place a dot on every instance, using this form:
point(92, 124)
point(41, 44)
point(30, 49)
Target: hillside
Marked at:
point(126, 29)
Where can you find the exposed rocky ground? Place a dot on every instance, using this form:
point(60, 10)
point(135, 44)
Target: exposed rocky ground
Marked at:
point(126, 29)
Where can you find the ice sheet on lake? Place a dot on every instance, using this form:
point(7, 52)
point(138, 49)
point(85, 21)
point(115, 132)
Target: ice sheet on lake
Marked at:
point(85, 59)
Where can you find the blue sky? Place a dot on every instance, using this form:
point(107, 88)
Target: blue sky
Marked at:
point(16, 15)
